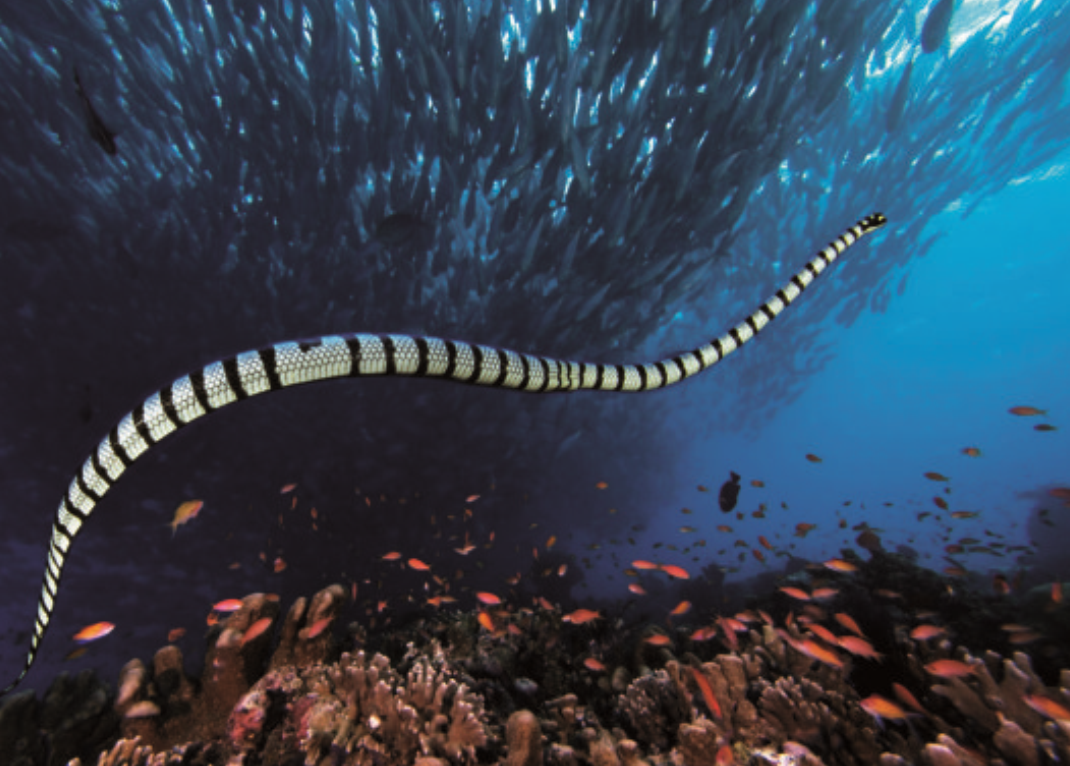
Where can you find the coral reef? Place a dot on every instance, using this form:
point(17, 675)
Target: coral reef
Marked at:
point(456, 692)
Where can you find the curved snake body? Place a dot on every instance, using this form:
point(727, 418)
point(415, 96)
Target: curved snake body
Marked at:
point(359, 355)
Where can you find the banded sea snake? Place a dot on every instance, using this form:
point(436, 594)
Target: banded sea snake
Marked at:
point(358, 355)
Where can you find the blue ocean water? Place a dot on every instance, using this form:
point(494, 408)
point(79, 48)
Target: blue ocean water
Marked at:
point(613, 183)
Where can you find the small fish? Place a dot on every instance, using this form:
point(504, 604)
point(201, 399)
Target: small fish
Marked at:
point(561, 570)
point(581, 616)
point(758, 555)
point(488, 598)
point(949, 669)
point(757, 483)
point(971, 451)
point(940, 503)
point(636, 588)
point(881, 708)
point(823, 594)
point(926, 632)
point(551, 541)
point(674, 571)
point(765, 543)
point(802, 529)
point(859, 647)
point(93, 632)
point(1048, 707)
point(98, 131)
point(704, 686)
point(287, 489)
point(279, 565)
point(601, 485)
point(1057, 592)
point(175, 634)
point(640, 564)
point(839, 565)
point(682, 608)
point(903, 695)
point(1044, 427)
point(729, 493)
point(658, 639)
point(471, 498)
point(724, 528)
point(934, 476)
point(418, 565)
point(1022, 411)
point(848, 622)
point(256, 630)
point(592, 664)
point(965, 514)
point(813, 458)
point(319, 626)
point(487, 622)
point(184, 513)
point(796, 593)
point(688, 530)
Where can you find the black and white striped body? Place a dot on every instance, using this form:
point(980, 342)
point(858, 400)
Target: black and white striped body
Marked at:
point(360, 355)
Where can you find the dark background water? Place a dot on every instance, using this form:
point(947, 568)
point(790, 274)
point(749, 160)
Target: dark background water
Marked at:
point(609, 181)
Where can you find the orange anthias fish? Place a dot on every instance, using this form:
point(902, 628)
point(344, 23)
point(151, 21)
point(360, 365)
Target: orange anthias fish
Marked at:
point(488, 598)
point(228, 605)
point(644, 564)
point(581, 616)
point(816, 651)
point(419, 565)
point(674, 571)
point(813, 458)
point(940, 503)
point(949, 669)
point(601, 485)
point(802, 529)
point(903, 695)
point(846, 621)
point(823, 594)
point(765, 543)
point(1048, 707)
point(658, 639)
point(592, 664)
point(188, 510)
point(859, 647)
point(93, 632)
point(319, 626)
point(256, 630)
point(682, 608)
point(707, 692)
point(175, 634)
point(392, 556)
point(796, 593)
point(1057, 592)
point(971, 451)
point(1024, 411)
point(287, 489)
point(934, 476)
point(636, 588)
point(879, 707)
point(925, 632)
point(487, 622)
point(839, 565)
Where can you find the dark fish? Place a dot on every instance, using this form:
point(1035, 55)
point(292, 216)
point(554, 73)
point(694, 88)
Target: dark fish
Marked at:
point(729, 493)
point(98, 131)
point(937, 23)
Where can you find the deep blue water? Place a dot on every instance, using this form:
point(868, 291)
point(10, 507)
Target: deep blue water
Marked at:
point(612, 183)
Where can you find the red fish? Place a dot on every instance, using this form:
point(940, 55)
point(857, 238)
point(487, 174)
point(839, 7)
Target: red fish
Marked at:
point(796, 593)
point(93, 632)
point(184, 513)
point(1048, 707)
point(673, 571)
point(813, 458)
point(581, 616)
point(839, 565)
point(419, 565)
point(175, 634)
point(707, 692)
point(765, 543)
point(488, 598)
point(879, 707)
point(949, 669)
point(1024, 411)
point(971, 451)
point(859, 647)
point(658, 639)
point(256, 629)
point(392, 556)
point(592, 664)
point(682, 608)
point(319, 626)
point(925, 632)
point(636, 588)
point(228, 605)
point(846, 621)
point(644, 564)
point(903, 695)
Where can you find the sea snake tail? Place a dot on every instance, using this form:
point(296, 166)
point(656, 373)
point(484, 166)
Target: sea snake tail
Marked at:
point(358, 355)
